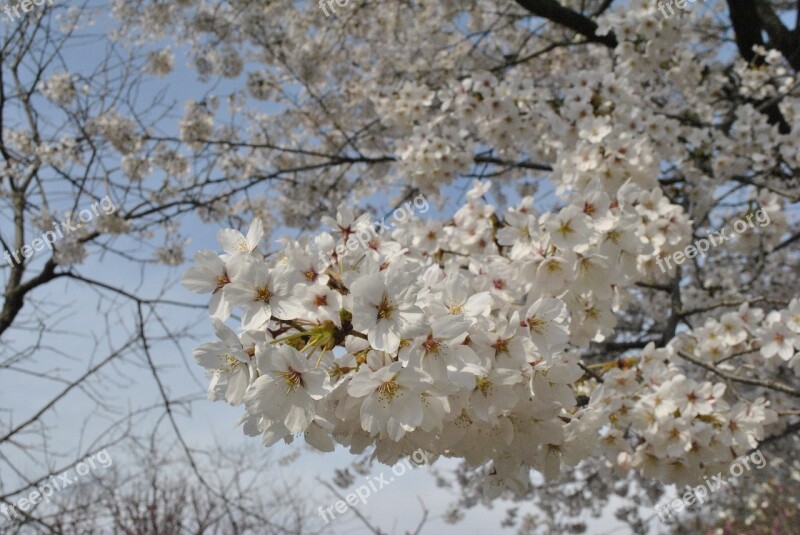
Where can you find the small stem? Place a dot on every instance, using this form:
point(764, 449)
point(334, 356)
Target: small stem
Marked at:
point(296, 325)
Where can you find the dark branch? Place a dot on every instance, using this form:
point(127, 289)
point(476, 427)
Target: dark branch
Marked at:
point(581, 24)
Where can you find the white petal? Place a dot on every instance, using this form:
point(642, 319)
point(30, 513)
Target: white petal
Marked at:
point(362, 385)
point(383, 337)
point(232, 241)
point(301, 412)
point(255, 233)
point(318, 438)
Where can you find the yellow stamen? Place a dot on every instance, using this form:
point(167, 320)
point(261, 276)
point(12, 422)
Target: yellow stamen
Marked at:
point(263, 294)
point(385, 309)
point(293, 379)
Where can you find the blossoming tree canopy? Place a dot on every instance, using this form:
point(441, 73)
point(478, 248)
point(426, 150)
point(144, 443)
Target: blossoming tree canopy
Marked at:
point(473, 353)
point(516, 332)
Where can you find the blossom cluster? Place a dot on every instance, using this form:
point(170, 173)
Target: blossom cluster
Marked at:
point(748, 336)
point(59, 88)
point(460, 338)
point(671, 427)
point(683, 427)
point(455, 339)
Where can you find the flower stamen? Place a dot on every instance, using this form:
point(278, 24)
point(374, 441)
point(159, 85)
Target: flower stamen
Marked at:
point(386, 309)
point(263, 294)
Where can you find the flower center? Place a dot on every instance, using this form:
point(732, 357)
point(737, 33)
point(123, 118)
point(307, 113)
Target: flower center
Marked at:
point(536, 324)
point(484, 385)
point(222, 280)
point(229, 363)
point(263, 294)
point(456, 309)
point(293, 379)
point(500, 346)
point(431, 345)
point(385, 309)
point(463, 421)
point(388, 390)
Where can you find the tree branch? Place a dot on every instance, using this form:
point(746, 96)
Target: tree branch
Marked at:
point(772, 385)
point(580, 24)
